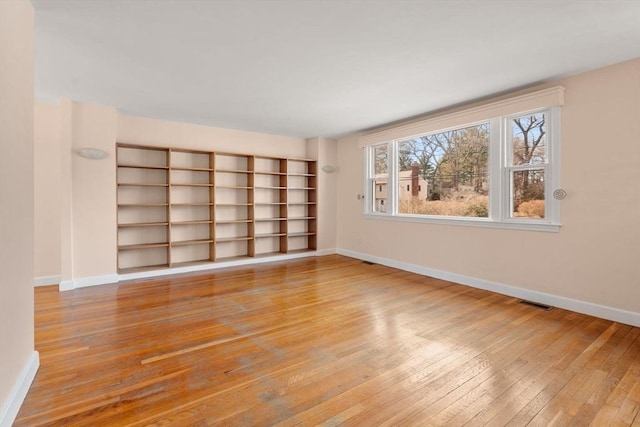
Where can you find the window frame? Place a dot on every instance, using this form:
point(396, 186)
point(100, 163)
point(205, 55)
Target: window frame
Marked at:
point(500, 170)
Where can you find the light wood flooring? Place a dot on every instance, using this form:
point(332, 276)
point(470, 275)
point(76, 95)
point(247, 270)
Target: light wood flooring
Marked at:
point(323, 341)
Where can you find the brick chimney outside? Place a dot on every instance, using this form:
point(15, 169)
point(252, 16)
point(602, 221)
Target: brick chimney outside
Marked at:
point(414, 180)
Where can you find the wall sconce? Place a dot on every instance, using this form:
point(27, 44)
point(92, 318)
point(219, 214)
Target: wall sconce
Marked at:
point(328, 169)
point(92, 153)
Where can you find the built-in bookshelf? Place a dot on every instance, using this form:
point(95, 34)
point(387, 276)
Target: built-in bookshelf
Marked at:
point(179, 207)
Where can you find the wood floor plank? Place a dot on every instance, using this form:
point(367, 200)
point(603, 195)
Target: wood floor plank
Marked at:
point(323, 341)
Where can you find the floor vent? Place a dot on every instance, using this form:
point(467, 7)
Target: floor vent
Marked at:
point(369, 262)
point(536, 304)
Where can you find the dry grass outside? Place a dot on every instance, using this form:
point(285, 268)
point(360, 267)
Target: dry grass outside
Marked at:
point(475, 206)
point(530, 209)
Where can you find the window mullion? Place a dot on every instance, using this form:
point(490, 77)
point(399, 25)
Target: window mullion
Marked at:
point(369, 196)
point(392, 187)
point(495, 169)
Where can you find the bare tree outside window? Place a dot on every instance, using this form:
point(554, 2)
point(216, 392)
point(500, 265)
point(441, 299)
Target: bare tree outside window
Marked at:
point(449, 171)
point(529, 149)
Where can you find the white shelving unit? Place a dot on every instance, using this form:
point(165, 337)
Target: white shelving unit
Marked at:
point(180, 207)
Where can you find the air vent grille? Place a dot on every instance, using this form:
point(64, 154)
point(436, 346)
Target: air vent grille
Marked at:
point(536, 304)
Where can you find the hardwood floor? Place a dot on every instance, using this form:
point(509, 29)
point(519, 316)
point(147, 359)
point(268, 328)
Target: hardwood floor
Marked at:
point(323, 341)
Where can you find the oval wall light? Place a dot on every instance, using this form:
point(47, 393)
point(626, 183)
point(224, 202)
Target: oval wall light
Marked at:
point(92, 153)
point(328, 169)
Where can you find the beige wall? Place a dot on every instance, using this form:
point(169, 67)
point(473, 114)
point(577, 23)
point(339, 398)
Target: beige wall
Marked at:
point(184, 135)
point(325, 151)
point(93, 195)
point(594, 258)
point(16, 200)
point(86, 206)
point(46, 141)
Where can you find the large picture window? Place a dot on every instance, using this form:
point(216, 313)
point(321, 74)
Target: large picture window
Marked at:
point(501, 172)
point(446, 173)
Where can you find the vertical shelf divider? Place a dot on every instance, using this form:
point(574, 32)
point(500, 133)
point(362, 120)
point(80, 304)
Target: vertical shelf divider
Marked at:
point(251, 229)
point(169, 155)
point(284, 239)
point(117, 208)
point(212, 207)
point(312, 208)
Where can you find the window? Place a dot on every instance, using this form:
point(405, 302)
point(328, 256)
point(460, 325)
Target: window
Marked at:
point(453, 166)
point(527, 165)
point(378, 165)
point(497, 172)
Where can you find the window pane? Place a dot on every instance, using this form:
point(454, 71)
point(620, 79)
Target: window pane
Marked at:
point(528, 194)
point(529, 139)
point(380, 157)
point(378, 182)
point(379, 195)
point(445, 173)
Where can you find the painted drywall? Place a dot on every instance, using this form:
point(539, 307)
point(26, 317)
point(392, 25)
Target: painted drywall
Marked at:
point(139, 130)
point(594, 258)
point(65, 206)
point(47, 162)
point(93, 195)
point(16, 205)
point(325, 151)
point(86, 206)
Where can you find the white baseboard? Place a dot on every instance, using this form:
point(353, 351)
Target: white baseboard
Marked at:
point(604, 312)
point(19, 391)
point(83, 282)
point(46, 280)
point(66, 285)
point(325, 252)
point(219, 265)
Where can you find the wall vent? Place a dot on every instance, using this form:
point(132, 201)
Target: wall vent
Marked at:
point(536, 304)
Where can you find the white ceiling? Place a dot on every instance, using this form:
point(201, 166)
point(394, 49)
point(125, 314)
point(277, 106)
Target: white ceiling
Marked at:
point(316, 68)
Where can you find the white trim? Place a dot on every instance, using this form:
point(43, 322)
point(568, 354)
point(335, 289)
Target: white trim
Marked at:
point(511, 224)
point(9, 411)
point(325, 252)
point(46, 280)
point(219, 265)
point(535, 100)
point(496, 162)
point(83, 282)
point(67, 285)
point(392, 179)
point(597, 310)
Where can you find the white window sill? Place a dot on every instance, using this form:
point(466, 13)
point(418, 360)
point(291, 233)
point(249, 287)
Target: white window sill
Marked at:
point(470, 222)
